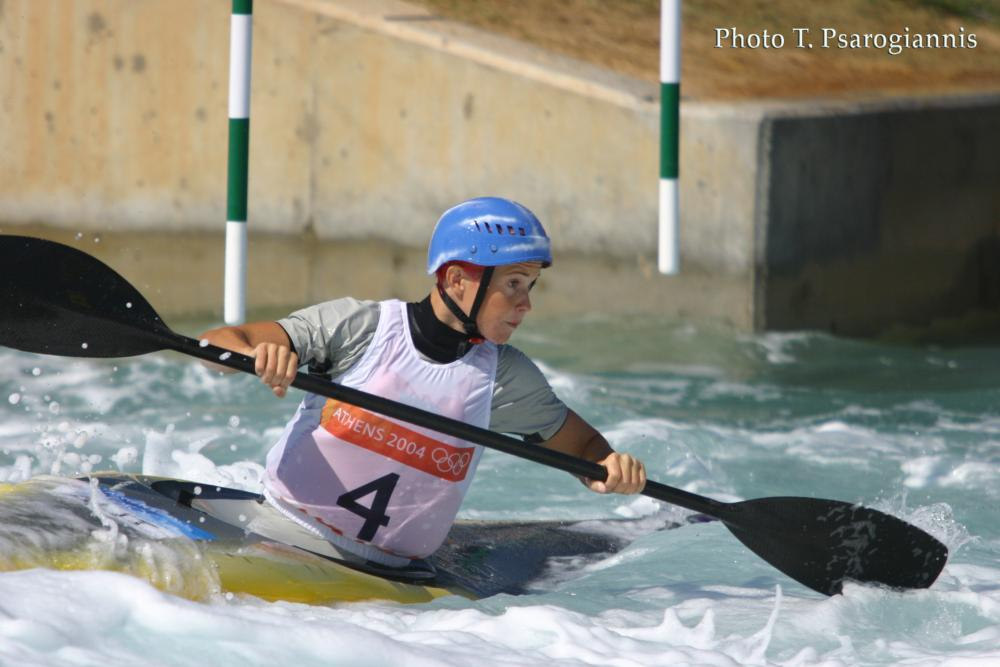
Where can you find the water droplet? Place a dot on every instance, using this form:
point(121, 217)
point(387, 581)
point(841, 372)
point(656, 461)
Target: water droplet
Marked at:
point(493, 248)
point(36, 371)
point(243, 518)
point(232, 448)
point(84, 345)
point(197, 490)
point(203, 342)
point(225, 355)
point(473, 249)
point(54, 407)
point(14, 398)
point(234, 421)
point(79, 235)
point(97, 239)
point(201, 519)
point(128, 304)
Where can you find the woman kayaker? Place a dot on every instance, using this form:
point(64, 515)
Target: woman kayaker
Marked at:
point(383, 489)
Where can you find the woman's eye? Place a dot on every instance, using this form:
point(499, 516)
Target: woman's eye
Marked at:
point(519, 285)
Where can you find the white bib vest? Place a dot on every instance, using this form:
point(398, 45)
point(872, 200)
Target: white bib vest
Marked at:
point(384, 489)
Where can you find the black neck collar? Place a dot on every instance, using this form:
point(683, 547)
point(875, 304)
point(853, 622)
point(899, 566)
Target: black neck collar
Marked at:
point(432, 337)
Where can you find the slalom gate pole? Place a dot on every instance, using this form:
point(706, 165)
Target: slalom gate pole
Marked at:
point(670, 77)
point(241, 31)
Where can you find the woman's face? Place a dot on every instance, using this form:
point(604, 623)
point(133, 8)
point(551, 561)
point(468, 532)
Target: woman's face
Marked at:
point(507, 300)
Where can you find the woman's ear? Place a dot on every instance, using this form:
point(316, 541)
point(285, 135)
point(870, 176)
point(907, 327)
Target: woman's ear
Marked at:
point(453, 279)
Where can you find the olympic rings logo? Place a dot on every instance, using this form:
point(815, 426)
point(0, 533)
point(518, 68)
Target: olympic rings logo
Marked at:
point(450, 463)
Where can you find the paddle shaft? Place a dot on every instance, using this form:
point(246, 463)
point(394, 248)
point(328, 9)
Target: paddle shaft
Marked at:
point(446, 425)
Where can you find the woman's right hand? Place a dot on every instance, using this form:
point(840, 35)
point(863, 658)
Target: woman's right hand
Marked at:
point(276, 366)
point(275, 363)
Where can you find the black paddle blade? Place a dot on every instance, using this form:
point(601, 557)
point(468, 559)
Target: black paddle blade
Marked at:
point(822, 543)
point(55, 299)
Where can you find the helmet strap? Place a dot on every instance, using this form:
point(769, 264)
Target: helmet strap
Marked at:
point(469, 320)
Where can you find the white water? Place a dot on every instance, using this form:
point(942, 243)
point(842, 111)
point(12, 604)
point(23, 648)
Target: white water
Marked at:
point(914, 431)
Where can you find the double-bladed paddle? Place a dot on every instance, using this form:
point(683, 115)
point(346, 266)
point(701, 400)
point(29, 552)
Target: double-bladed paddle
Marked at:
point(55, 299)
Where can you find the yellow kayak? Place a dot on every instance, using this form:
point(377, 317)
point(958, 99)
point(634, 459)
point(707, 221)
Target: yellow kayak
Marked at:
point(198, 540)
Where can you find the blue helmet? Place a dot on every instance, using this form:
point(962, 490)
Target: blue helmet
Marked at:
point(488, 231)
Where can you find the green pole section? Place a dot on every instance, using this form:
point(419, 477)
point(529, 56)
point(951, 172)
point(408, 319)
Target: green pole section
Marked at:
point(239, 157)
point(670, 96)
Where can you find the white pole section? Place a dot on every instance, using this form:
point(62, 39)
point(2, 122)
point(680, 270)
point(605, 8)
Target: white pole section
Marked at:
point(241, 30)
point(670, 98)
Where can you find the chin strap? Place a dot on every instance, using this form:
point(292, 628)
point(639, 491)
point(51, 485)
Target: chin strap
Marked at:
point(469, 321)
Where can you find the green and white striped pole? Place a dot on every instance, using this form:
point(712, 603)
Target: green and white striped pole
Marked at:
point(240, 39)
point(670, 97)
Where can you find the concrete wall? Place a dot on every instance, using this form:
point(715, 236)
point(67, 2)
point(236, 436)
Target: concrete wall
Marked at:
point(115, 114)
point(878, 214)
point(368, 118)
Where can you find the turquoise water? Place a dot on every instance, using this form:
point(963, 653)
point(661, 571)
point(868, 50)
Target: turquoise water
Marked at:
point(911, 430)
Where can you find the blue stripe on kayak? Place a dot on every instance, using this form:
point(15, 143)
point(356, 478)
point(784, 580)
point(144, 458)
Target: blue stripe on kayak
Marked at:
point(158, 517)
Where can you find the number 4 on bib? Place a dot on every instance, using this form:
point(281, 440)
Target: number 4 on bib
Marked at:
point(374, 515)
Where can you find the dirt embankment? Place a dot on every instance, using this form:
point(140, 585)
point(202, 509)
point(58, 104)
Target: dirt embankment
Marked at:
point(624, 35)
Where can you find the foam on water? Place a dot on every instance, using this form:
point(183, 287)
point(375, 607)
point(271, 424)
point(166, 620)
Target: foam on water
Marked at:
point(134, 623)
point(909, 431)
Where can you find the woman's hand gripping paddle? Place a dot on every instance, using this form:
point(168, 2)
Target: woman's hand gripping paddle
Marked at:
point(55, 299)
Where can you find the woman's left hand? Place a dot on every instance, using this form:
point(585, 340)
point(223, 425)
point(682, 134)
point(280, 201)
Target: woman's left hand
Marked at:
point(625, 475)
